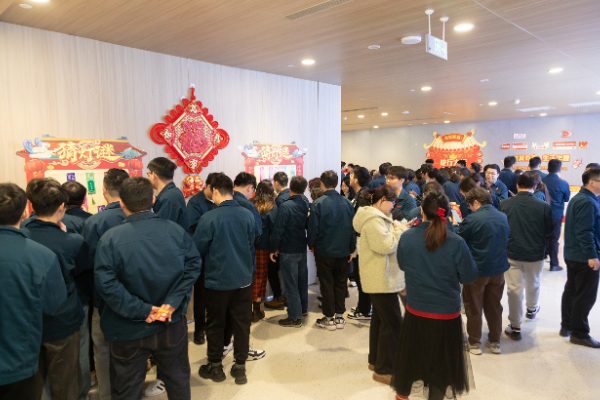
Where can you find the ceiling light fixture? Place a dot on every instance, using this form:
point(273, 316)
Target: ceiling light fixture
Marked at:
point(405, 112)
point(586, 104)
point(484, 80)
point(463, 27)
point(411, 39)
point(384, 114)
point(555, 70)
point(25, 6)
point(492, 103)
point(543, 114)
point(535, 109)
point(361, 116)
point(374, 47)
point(41, 1)
point(291, 65)
point(376, 127)
point(426, 88)
point(446, 122)
point(308, 62)
point(424, 123)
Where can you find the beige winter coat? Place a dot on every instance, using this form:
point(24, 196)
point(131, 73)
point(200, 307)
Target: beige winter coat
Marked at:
point(379, 270)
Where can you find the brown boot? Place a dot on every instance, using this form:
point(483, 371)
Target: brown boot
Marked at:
point(385, 379)
point(274, 305)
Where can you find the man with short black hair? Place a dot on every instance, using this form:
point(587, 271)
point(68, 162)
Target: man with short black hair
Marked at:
point(200, 203)
point(395, 178)
point(560, 194)
point(475, 168)
point(582, 245)
point(75, 216)
point(464, 173)
point(462, 163)
point(592, 165)
point(33, 290)
point(280, 184)
point(534, 166)
point(170, 203)
point(331, 236)
point(375, 183)
point(59, 355)
point(225, 237)
point(508, 176)
point(144, 272)
point(430, 161)
point(530, 222)
point(288, 241)
point(497, 187)
point(93, 229)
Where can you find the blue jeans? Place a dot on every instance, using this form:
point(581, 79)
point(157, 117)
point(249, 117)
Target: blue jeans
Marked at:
point(294, 271)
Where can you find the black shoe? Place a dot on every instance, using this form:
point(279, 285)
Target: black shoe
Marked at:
point(239, 373)
point(564, 332)
point(212, 371)
point(588, 342)
point(320, 298)
point(513, 333)
point(290, 323)
point(304, 313)
point(532, 313)
point(556, 268)
point(199, 338)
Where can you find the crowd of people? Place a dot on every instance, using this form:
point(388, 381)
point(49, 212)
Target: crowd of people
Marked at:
point(426, 241)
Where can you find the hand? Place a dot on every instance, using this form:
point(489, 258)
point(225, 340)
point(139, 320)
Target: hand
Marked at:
point(273, 255)
point(170, 309)
point(62, 226)
point(511, 193)
point(413, 194)
point(350, 258)
point(397, 224)
point(153, 314)
point(594, 264)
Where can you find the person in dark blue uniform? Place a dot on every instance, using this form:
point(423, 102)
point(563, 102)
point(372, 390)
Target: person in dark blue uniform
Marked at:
point(31, 185)
point(75, 216)
point(534, 166)
point(197, 206)
point(451, 186)
point(375, 183)
point(288, 241)
point(560, 194)
point(33, 290)
point(498, 189)
point(225, 237)
point(396, 177)
point(465, 186)
point(170, 203)
point(93, 229)
point(508, 176)
point(410, 185)
point(59, 355)
point(144, 272)
point(582, 251)
point(331, 236)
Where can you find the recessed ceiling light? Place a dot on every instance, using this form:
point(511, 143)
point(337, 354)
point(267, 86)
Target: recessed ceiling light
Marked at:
point(463, 27)
point(585, 104)
point(530, 109)
point(41, 1)
point(374, 47)
point(555, 70)
point(426, 88)
point(543, 114)
point(446, 122)
point(384, 114)
point(411, 40)
point(424, 123)
point(25, 6)
point(484, 80)
point(405, 112)
point(375, 127)
point(291, 65)
point(308, 62)
point(361, 116)
point(598, 92)
point(492, 103)
point(409, 124)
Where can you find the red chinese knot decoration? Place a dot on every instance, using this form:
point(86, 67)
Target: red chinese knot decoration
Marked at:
point(190, 135)
point(446, 150)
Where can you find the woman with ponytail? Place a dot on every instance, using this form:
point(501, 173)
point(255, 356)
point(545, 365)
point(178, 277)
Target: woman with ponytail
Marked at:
point(432, 355)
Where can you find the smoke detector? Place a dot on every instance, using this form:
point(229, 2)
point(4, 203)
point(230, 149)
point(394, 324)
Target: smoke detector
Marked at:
point(411, 40)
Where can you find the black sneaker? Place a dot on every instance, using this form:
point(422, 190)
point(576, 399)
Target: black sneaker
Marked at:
point(359, 316)
point(564, 332)
point(556, 268)
point(304, 313)
point(290, 323)
point(513, 333)
point(239, 373)
point(532, 313)
point(212, 371)
point(199, 338)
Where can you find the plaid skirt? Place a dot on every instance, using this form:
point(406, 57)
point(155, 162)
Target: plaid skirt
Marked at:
point(259, 286)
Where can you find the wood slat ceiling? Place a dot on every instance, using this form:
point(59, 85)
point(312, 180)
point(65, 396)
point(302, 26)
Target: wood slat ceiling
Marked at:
point(514, 44)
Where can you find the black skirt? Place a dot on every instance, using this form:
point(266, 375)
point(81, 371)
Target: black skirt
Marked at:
point(432, 358)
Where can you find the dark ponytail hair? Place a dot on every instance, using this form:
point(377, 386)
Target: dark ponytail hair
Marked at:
point(383, 191)
point(437, 232)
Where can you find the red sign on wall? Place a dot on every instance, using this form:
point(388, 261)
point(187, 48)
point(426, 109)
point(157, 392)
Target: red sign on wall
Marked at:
point(446, 150)
point(564, 145)
point(505, 146)
point(520, 146)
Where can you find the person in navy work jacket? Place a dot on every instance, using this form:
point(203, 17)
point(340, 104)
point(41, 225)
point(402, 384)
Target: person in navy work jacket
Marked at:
point(582, 248)
point(375, 183)
point(508, 176)
point(486, 233)
point(144, 272)
point(33, 289)
point(435, 263)
point(225, 238)
point(170, 203)
point(288, 241)
point(197, 206)
point(451, 186)
point(534, 166)
point(280, 184)
point(331, 236)
point(465, 186)
point(59, 355)
point(497, 187)
point(31, 185)
point(560, 193)
point(75, 216)
point(410, 185)
point(93, 229)
point(396, 176)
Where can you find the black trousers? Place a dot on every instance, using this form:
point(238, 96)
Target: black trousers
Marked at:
point(578, 298)
point(552, 242)
point(273, 276)
point(364, 300)
point(238, 303)
point(200, 304)
point(333, 277)
point(170, 351)
point(351, 271)
point(27, 389)
point(384, 331)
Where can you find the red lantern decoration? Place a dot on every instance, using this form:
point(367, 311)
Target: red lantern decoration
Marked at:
point(36, 167)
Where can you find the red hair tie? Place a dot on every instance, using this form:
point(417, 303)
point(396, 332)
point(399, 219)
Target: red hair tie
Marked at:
point(442, 214)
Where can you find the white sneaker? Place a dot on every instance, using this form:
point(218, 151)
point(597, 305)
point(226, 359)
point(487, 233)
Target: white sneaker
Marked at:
point(494, 347)
point(475, 349)
point(227, 350)
point(359, 316)
point(326, 323)
point(339, 322)
point(255, 354)
point(352, 284)
point(156, 388)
